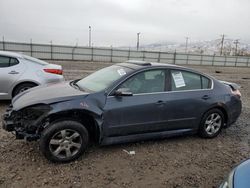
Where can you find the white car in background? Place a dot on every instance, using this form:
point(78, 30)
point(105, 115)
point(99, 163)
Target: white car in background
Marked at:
point(20, 72)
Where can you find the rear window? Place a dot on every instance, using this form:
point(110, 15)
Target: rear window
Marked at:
point(184, 80)
point(35, 60)
point(7, 61)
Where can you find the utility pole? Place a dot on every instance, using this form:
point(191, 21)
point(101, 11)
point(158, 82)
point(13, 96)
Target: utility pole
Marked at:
point(89, 36)
point(76, 42)
point(31, 48)
point(186, 44)
point(236, 42)
point(222, 44)
point(3, 44)
point(138, 41)
point(51, 49)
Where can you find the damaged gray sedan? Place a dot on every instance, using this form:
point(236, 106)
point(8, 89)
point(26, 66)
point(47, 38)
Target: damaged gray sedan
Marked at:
point(126, 102)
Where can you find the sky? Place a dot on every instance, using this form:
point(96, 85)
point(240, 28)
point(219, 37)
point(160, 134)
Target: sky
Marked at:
point(117, 22)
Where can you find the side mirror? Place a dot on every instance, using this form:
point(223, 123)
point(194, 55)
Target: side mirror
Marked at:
point(123, 92)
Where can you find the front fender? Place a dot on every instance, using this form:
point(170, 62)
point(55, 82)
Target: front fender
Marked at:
point(73, 109)
point(77, 105)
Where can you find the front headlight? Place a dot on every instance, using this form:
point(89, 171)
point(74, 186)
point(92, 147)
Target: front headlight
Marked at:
point(228, 183)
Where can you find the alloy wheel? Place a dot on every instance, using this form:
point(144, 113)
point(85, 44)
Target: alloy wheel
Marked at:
point(213, 123)
point(65, 143)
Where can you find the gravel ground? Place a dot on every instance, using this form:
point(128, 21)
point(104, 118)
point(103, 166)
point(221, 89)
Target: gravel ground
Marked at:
point(175, 162)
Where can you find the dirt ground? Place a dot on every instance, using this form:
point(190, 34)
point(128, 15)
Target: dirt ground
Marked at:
point(175, 162)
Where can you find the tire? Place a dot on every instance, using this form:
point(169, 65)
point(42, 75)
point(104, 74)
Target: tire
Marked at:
point(211, 123)
point(22, 87)
point(64, 141)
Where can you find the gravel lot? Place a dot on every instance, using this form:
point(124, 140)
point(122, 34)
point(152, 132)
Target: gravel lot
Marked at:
point(176, 162)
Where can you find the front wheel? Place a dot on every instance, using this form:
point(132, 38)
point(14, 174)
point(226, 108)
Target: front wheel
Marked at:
point(211, 123)
point(64, 141)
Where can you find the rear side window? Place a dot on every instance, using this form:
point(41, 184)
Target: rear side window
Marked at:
point(205, 83)
point(184, 80)
point(13, 61)
point(7, 61)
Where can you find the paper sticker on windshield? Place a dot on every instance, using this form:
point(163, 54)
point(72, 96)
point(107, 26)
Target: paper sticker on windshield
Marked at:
point(121, 72)
point(178, 79)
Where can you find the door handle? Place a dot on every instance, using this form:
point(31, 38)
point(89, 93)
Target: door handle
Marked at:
point(13, 72)
point(205, 97)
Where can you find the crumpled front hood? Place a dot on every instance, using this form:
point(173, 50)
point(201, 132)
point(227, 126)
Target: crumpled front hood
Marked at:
point(46, 94)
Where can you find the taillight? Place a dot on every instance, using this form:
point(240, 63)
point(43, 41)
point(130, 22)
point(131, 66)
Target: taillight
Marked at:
point(236, 92)
point(54, 71)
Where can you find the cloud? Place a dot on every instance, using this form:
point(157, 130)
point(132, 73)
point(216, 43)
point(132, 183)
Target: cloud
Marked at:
point(117, 22)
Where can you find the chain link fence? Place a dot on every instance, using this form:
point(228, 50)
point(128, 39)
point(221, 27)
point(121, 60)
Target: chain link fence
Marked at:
point(116, 55)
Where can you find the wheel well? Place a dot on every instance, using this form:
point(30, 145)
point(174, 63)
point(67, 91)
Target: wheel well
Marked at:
point(27, 82)
point(222, 110)
point(224, 113)
point(86, 120)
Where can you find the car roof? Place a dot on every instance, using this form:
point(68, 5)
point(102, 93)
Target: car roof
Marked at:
point(135, 64)
point(11, 54)
point(23, 56)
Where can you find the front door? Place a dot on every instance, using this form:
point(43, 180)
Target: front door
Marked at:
point(140, 113)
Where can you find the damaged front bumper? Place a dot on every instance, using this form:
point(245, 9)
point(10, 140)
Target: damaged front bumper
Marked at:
point(7, 123)
point(20, 132)
point(13, 121)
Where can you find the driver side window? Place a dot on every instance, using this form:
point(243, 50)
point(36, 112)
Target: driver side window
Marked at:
point(145, 82)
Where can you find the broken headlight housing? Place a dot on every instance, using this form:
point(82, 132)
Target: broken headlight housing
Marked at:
point(35, 112)
point(31, 116)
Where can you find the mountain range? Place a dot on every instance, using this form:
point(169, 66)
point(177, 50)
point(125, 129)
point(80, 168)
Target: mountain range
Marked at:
point(202, 47)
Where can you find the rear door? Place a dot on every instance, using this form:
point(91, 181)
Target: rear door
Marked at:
point(190, 94)
point(10, 70)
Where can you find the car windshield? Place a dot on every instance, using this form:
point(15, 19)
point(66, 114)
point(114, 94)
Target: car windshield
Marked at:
point(103, 78)
point(35, 60)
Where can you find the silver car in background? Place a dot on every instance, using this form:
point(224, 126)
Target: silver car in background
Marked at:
point(20, 72)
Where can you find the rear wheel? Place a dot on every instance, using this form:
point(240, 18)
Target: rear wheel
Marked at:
point(211, 123)
point(23, 87)
point(64, 141)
